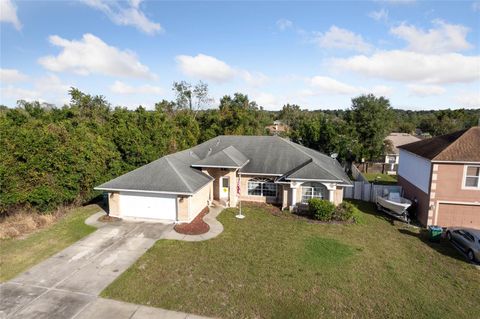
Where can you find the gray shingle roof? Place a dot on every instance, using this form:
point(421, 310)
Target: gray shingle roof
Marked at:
point(269, 155)
point(228, 157)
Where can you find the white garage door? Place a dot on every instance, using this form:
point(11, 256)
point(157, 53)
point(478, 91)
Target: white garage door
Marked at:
point(150, 206)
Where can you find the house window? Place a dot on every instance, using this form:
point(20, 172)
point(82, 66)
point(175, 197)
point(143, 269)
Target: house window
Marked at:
point(313, 190)
point(472, 177)
point(391, 159)
point(258, 187)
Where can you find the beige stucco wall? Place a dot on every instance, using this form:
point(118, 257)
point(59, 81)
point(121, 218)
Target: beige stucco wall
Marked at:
point(338, 195)
point(182, 208)
point(199, 201)
point(218, 173)
point(114, 204)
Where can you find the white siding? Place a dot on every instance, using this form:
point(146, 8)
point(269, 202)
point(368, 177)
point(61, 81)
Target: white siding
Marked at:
point(415, 169)
point(148, 206)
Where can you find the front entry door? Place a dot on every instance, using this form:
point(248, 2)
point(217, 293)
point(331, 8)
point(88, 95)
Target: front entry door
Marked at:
point(224, 187)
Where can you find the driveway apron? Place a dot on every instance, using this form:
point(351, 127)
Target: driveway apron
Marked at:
point(64, 285)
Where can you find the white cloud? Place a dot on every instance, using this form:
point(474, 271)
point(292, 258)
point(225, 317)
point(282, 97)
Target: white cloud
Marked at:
point(91, 55)
point(126, 13)
point(443, 38)
point(329, 85)
point(379, 90)
point(267, 100)
point(476, 6)
point(425, 90)
point(380, 15)
point(468, 99)
point(48, 88)
point(8, 13)
point(284, 24)
point(338, 38)
point(401, 65)
point(123, 88)
point(254, 79)
point(205, 67)
point(12, 76)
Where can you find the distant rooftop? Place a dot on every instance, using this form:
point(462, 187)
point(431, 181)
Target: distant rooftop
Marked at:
point(399, 139)
point(458, 146)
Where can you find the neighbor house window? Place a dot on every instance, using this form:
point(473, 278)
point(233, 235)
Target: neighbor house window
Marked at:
point(472, 177)
point(262, 188)
point(313, 190)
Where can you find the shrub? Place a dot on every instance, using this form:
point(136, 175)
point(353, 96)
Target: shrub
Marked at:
point(344, 211)
point(321, 209)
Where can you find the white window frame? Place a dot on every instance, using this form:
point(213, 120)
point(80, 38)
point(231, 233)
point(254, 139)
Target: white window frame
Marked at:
point(262, 183)
point(464, 181)
point(321, 194)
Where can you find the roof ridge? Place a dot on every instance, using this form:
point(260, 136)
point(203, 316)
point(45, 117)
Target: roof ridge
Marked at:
point(314, 160)
point(178, 173)
point(230, 157)
point(454, 142)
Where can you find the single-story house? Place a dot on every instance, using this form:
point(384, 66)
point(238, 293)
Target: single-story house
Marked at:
point(443, 175)
point(177, 187)
point(395, 140)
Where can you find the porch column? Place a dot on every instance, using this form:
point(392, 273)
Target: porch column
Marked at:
point(294, 196)
point(331, 191)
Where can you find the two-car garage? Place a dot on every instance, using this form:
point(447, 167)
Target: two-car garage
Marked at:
point(146, 206)
point(458, 215)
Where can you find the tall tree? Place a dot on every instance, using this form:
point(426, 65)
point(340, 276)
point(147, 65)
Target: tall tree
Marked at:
point(372, 119)
point(192, 97)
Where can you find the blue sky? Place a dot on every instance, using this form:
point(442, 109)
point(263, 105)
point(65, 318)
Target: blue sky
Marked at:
point(419, 54)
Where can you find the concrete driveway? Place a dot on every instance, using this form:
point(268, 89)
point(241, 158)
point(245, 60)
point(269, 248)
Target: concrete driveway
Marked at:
point(67, 284)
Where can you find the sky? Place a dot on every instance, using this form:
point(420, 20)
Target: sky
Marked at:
point(317, 54)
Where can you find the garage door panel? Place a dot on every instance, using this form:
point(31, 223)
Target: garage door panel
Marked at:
point(148, 206)
point(458, 215)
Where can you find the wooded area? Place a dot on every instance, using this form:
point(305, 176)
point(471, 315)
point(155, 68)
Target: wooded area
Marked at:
point(53, 156)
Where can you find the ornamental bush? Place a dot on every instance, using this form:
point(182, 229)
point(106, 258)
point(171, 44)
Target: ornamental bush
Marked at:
point(321, 209)
point(344, 211)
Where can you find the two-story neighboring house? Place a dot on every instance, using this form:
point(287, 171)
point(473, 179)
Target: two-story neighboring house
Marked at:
point(443, 175)
point(396, 140)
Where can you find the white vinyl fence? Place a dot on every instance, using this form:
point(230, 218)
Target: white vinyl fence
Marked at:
point(357, 175)
point(368, 191)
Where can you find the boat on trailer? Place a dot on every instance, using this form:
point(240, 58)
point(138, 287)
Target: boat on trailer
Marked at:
point(394, 205)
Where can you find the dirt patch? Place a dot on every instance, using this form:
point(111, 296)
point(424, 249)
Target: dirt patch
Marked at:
point(21, 223)
point(196, 226)
point(108, 219)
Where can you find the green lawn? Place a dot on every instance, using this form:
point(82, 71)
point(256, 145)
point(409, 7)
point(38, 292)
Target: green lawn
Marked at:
point(381, 178)
point(17, 255)
point(268, 266)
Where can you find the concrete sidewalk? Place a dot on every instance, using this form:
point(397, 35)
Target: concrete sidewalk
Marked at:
point(67, 284)
point(216, 228)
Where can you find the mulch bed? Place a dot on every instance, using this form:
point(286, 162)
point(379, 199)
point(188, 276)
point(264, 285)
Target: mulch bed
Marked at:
point(196, 226)
point(108, 219)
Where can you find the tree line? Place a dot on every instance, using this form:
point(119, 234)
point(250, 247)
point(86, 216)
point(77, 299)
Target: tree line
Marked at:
point(53, 156)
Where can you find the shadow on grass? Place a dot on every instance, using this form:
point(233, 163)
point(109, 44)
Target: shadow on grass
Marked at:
point(443, 246)
point(370, 209)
